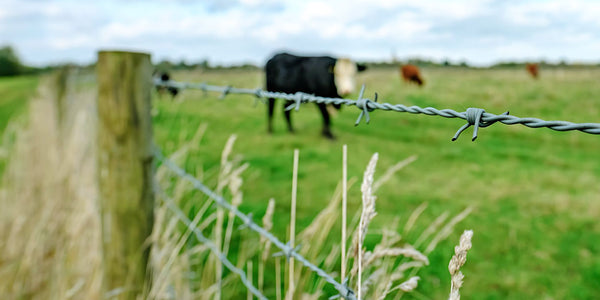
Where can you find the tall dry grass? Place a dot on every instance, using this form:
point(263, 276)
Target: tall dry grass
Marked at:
point(457, 261)
point(49, 232)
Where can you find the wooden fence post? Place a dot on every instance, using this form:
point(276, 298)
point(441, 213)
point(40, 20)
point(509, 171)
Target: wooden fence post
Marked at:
point(125, 169)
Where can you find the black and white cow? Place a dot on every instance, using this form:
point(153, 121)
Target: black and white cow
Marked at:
point(319, 75)
point(165, 77)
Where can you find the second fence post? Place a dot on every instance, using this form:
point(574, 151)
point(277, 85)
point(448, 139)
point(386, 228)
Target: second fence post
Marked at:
point(125, 170)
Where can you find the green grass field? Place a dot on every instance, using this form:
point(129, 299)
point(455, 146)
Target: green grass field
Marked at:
point(535, 192)
point(14, 95)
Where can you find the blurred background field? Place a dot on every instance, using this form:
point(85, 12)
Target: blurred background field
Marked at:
point(534, 192)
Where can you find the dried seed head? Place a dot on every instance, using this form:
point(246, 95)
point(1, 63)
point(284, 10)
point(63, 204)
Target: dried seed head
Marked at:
point(457, 261)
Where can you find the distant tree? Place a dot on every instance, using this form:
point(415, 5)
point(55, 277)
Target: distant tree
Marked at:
point(9, 62)
point(164, 66)
point(204, 64)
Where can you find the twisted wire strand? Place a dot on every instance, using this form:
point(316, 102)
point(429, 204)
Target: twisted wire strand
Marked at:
point(286, 249)
point(207, 242)
point(367, 104)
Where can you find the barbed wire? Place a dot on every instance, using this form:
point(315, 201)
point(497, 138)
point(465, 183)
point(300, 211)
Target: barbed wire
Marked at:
point(475, 117)
point(286, 249)
point(207, 242)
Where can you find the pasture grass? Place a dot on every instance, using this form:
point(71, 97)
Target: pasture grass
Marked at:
point(15, 93)
point(535, 191)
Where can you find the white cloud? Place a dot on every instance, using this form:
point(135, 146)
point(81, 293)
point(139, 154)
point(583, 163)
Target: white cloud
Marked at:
point(249, 30)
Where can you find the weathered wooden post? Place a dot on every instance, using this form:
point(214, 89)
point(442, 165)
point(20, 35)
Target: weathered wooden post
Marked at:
point(125, 169)
point(60, 83)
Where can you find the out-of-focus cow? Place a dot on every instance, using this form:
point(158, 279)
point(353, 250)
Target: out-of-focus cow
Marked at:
point(410, 73)
point(532, 69)
point(165, 77)
point(319, 75)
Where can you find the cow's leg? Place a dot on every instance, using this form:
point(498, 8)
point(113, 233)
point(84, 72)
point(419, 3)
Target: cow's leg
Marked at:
point(288, 116)
point(270, 115)
point(326, 122)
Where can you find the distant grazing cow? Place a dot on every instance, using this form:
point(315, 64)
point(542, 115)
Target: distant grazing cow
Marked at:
point(165, 77)
point(533, 70)
point(410, 73)
point(322, 76)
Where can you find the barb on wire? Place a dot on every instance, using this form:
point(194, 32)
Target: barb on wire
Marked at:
point(245, 224)
point(474, 118)
point(207, 242)
point(225, 92)
point(366, 105)
point(344, 290)
point(363, 104)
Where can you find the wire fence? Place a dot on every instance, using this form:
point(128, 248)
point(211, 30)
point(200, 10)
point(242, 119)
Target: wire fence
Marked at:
point(476, 117)
point(286, 250)
point(213, 248)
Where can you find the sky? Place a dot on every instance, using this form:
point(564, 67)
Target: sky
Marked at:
point(250, 31)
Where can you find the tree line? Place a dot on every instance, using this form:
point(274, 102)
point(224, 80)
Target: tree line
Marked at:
point(11, 65)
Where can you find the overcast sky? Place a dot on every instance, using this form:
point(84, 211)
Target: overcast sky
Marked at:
point(236, 31)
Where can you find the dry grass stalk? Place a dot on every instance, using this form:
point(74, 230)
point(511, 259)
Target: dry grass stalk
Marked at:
point(218, 242)
point(414, 216)
point(266, 248)
point(392, 170)
point(249, 276)
point(235, 184)
point(457, 261)
point(344, 209)
point(409, 285)
point(291, 280)
point(431, 229)
point(226, 164)
point(278, 278)
point(409, 265)
point(317, 234)
point(226, 167)
point(446, 230)
point(407, 251)
point(368, 213)
point(374, 277)
point(169, 280)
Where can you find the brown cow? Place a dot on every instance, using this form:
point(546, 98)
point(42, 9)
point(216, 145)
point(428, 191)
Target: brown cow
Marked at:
point(410, 73)
point(533, 70)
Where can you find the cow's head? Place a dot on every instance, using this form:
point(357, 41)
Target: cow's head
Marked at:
point(344, 74)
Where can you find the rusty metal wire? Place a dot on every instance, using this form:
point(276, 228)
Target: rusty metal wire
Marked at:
point(286, 250)
point(475, 117)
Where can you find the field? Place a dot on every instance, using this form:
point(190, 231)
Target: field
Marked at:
point(535, 192)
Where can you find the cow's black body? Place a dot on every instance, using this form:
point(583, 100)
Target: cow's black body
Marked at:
point(165, 77)
point(312, 75)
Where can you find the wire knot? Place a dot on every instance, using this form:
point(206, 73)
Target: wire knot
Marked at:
point(348, 293)
point(474, 117)
point(288, 251)
point(204, 88)
point(225, 92)
point(298, 98)
point(259, 96)
point(363, 104)
point(247, 223)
